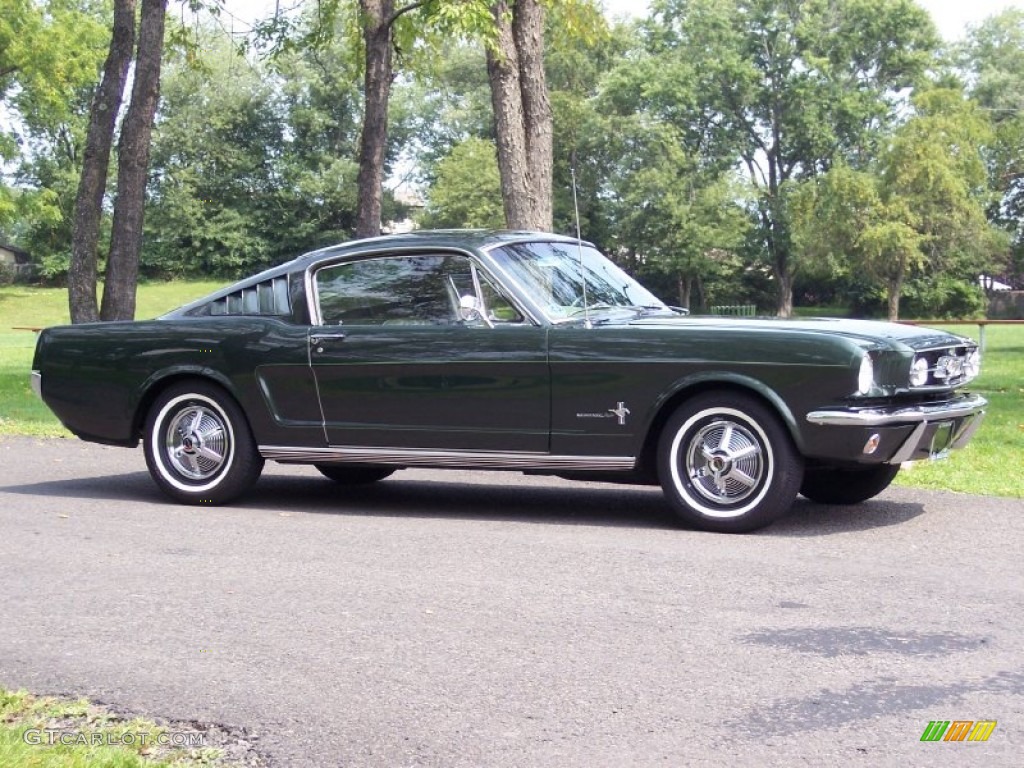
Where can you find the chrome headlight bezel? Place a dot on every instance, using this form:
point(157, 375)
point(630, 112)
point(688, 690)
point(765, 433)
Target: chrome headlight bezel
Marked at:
point(919, 370)
point(972, 365)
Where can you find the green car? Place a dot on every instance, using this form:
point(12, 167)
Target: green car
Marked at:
point(512, 351)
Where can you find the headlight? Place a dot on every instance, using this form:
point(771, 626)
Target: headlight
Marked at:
point(919, 372)
point(866, 376)
point(972, 365)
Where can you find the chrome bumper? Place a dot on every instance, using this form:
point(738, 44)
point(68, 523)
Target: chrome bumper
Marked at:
point(959, 419)
point(969, 405)
point(36, 380)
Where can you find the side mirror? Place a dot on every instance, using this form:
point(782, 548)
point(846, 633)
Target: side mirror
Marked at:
point(469, 307)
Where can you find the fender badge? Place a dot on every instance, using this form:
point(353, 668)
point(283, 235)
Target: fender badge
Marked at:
point(620, 412)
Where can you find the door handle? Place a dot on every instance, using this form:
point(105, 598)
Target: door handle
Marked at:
point(318, 340)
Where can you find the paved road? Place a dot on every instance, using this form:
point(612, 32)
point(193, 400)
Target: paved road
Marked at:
point(483, 619)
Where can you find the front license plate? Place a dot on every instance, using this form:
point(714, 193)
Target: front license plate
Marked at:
point(941, 440)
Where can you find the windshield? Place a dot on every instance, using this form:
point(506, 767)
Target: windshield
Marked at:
point(552, 274)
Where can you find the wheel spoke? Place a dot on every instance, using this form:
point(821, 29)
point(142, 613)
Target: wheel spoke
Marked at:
point(742, 453)
point(215, 429)
point(742, 477)
point(208, 453)
point(726, 438)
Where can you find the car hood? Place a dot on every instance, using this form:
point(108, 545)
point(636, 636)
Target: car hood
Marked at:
point(864, 331)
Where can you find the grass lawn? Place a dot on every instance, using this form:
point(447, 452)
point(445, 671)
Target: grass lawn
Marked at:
point(45, 732)
point(989, 465)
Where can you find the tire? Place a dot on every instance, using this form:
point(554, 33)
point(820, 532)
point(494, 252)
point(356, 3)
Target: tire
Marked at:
point(354, 475)
point(835, 485)
point(707, 484)
point(199, 448)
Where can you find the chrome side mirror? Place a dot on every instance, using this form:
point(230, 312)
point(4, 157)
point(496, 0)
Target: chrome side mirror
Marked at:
point(471, 308)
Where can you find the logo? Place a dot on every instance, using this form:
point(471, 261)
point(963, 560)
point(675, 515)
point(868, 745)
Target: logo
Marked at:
point(958, 730)
point(620, 412)
point(949, 367)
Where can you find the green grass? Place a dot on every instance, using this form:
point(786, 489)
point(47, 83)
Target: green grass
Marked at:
point(45, 732)
point(21, 413)
point(987, 466)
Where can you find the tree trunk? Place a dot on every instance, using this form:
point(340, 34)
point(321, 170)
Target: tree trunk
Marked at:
point(684, 286)
point(509, 123)
point(895, 290)
point(784, 292)
point(133, 164)
point(377, 20)
point(93, 181)
point(528, 32)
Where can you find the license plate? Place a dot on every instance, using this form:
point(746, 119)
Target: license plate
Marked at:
point(941, 440)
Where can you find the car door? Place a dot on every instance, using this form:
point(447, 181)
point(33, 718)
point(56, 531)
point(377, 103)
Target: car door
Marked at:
point(407, 355)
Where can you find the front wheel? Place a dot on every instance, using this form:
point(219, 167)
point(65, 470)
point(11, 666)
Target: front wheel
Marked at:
point(199, 448)
point(836, 485)
point(727, 464)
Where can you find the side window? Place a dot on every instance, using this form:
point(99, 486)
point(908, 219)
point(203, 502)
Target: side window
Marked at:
point(406, 290)
point(390, 290)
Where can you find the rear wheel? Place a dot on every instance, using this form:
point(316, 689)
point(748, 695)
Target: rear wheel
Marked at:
point(354, 475)
point(834, 485)
point(727, 464)
point(199, 448)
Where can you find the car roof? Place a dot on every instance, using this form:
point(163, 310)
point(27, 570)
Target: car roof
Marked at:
point(438, 238)
point(461, 239)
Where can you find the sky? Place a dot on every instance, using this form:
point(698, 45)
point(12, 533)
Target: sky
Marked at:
point(950, 16)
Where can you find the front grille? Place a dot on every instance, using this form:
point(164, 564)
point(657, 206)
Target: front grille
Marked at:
point(948, 366)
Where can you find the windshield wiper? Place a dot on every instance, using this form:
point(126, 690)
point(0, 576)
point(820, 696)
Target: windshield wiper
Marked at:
point(594, 308)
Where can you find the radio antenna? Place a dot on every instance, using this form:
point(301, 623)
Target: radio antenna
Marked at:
point(579, 244)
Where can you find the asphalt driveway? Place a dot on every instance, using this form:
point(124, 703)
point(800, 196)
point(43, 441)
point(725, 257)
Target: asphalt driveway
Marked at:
point(488, 619)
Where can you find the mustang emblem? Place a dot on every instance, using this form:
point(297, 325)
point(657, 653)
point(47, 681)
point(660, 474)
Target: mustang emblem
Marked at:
point(621, 412)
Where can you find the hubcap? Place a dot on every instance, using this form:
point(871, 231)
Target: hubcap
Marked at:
point(724, 462)
point(197, 442)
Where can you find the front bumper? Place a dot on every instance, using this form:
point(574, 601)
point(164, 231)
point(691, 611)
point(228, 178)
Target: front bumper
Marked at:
point(906, 433)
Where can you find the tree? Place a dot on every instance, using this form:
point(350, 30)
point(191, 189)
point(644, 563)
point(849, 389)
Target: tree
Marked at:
point(787, 87)
point(133, 164)
point(50, 53)
point(522, 113)
point(467, 190)
point(378, 19)
point(92, 184)
point(993, 59)
point(919, 211)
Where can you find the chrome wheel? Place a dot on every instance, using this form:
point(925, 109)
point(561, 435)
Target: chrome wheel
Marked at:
point(725, 462)
point(199, 448)
point(197, 442)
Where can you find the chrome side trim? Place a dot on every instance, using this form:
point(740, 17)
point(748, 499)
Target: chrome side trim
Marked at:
point(875, 417)
point(36, 381)
point(414, 457)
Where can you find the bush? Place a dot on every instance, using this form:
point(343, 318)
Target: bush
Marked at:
point(942, 297)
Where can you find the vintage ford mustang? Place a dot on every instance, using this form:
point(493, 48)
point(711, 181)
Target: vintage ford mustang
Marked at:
point(512, 351)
